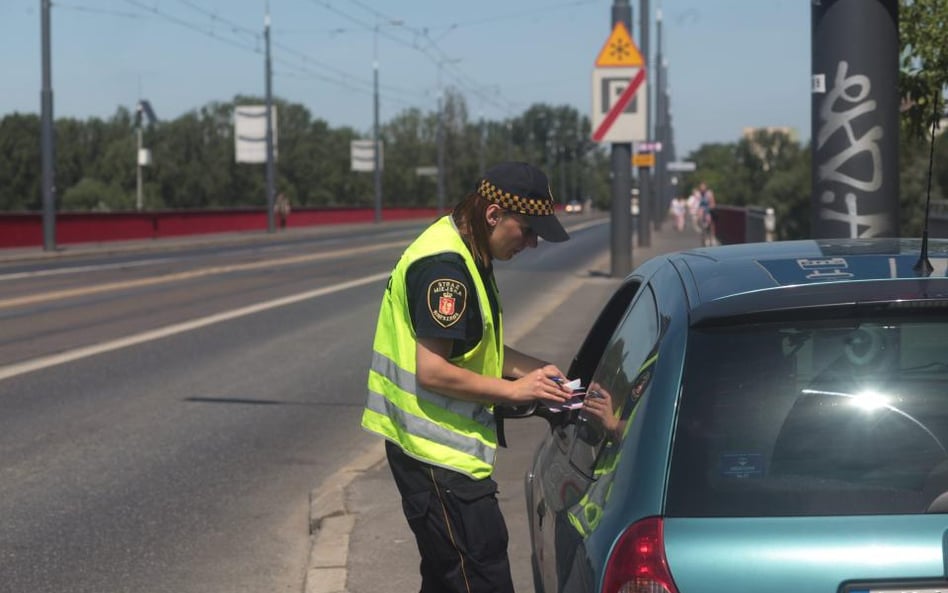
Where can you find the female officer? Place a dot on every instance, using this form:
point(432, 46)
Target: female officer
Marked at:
point(438, 368)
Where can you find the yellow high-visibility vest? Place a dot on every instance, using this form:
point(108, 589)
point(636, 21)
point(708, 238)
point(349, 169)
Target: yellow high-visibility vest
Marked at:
point(441, 430)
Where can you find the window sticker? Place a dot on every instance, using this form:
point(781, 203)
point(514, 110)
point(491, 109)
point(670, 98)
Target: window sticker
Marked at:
point(742, 466)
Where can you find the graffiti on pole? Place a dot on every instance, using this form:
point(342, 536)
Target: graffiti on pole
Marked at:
point(849, 98)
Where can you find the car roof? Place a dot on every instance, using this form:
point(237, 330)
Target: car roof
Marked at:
point(752, 278)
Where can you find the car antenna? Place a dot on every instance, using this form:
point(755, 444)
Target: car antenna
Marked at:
point(923, 267)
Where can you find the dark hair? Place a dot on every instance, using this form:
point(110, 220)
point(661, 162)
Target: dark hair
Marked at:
point(471, 219)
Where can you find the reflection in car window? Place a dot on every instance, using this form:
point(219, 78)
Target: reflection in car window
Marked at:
point(814, 418)
point(614, 381)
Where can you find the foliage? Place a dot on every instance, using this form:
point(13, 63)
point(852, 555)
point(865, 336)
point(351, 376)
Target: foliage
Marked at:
point(94, 195)
point(923, 36)
point(770, 170)
point(193, 162)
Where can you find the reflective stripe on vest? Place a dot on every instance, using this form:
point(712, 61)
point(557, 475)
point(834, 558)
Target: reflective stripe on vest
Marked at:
point(406, 382)
point(441, 430)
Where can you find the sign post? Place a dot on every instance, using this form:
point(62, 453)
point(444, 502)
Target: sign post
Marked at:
point(620, 98)
point(618, 110)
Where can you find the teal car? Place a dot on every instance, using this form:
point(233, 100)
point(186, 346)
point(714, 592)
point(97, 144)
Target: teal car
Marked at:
point(770, 418)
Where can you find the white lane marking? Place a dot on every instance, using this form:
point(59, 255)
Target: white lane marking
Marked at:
point(56, 359)
point(198, 273)
point(79, 269)
point(63, 357)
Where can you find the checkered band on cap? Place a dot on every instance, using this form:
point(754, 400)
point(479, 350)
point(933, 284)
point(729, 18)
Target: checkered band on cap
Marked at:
point(509, 201)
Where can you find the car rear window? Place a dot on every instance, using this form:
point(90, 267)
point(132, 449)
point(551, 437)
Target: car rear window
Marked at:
point(813, 418)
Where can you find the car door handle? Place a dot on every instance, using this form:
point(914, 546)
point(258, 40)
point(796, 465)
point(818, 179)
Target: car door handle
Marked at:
point(541, 511)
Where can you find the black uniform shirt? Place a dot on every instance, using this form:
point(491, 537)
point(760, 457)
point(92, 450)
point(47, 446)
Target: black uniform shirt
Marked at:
point(443, 302)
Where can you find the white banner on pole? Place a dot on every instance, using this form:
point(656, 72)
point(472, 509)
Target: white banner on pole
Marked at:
point(250, 133)
point(362, 155)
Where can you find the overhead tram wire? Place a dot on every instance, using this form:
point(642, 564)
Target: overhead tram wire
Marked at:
point(465, 83)
point(342, 73)
point(102, 11)
point(531, 13)
point(188, 25)
point(341, 78)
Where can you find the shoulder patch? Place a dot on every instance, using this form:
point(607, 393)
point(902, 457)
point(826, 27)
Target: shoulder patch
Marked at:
point(447, 301)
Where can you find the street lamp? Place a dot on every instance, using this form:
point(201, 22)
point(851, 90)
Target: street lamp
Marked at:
point(441, 132)
point(142, 155)
point(376, 144)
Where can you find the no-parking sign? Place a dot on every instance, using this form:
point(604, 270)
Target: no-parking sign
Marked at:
point(619, 90)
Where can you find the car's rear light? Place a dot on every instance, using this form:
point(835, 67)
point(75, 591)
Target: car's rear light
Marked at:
point(637, 563)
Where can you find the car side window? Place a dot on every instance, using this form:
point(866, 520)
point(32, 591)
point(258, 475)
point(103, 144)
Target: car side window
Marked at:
point(618, 382)
point(590, 352)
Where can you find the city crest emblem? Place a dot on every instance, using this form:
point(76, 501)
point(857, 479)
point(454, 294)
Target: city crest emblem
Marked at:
point(447, 301)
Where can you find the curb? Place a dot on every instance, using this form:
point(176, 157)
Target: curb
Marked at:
point(330, 524)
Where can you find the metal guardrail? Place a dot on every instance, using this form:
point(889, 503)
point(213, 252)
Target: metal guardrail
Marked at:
point(735, 224)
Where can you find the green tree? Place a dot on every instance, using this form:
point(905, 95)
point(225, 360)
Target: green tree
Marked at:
point(19, 162)
point(92, 194)
point(923, 36)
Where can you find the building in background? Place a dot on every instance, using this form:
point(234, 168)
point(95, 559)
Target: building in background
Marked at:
point(754, 136)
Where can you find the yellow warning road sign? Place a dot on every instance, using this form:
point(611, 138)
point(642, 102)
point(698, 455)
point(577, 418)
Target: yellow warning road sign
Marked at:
point(643, 159)
point(619, 50)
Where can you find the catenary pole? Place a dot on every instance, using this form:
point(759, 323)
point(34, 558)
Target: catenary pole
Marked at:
point(440, 141)
point(376, 146)
point(855, 119)
point(271, 227)
point(646, 195)
point(661, 175)
point(621, 162)
point(47, 149)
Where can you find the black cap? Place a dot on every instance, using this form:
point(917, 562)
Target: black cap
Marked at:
point(524, 189)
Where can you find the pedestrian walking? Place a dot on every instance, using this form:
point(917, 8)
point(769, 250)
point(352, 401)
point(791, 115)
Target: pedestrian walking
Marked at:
point(679, 209)
point(282, 208)
point(439, 367)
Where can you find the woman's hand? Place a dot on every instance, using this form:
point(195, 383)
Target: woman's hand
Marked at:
point(547, 383)
point(598, 404)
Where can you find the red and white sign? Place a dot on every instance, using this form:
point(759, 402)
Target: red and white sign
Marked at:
point(619, 105)
point(619, 90)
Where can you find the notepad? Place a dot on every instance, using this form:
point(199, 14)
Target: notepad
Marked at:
point(574, 402)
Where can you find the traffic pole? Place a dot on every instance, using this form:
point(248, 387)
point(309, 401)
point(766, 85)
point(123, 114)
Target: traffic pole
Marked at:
point(376, 145)
point(661, 176)
point(47, 141)
point(646, 195)
point(271, 226)
point(855, 119)
point(621, 162)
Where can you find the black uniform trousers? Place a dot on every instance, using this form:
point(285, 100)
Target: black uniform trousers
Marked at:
point(461, 533)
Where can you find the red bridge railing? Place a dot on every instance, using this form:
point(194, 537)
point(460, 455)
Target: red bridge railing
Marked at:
point(25, 229)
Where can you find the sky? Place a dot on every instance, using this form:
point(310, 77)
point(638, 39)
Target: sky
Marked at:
point(731, 63)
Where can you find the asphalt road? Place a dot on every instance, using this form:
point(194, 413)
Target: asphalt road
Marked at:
point(165, 412)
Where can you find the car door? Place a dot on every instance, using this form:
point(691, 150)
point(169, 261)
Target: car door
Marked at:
point(566, 470)
point(553, 484)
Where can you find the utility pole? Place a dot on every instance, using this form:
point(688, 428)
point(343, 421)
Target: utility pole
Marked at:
point(441, 135)
point(482, 152)
point(271, 227)
point(139, 200)
point(646, 195)
point(855, 119)
point(440, 140)
point(509, 139)
point(376, 169)
point(561, 152)
point(621, 161)
point(47, 140)
point(142, 156)
point(661, 161)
